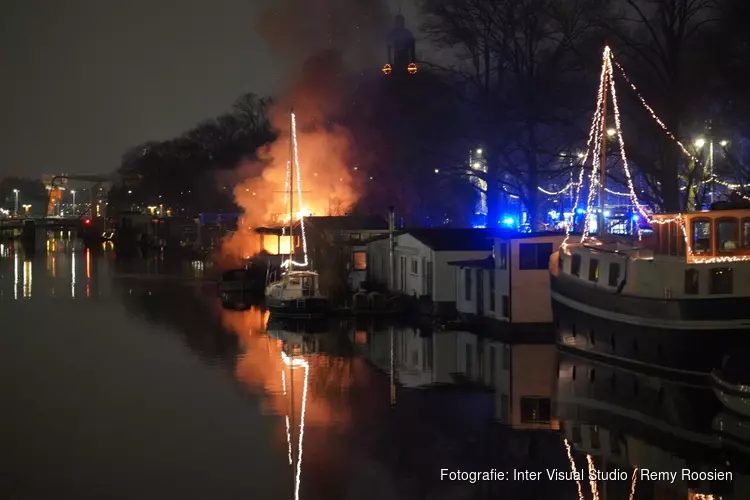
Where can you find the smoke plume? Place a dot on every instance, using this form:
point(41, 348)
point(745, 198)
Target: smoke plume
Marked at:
point(324, 45)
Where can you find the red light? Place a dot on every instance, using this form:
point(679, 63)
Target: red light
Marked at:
point(411, 68)
point(387, 69)
point(87, 221)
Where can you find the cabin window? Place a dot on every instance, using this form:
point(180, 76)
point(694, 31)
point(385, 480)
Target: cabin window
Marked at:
point(701, 236)
point(691, 281)
point(506, 306)
point(414, 266)
point(360, 261)
point(721, 280)
point(727, 235)
point(502, 256)
point(594, 270)
point(492, 289)
point(596, 442)
point(575, 265)
point(614, 273)
point(534, 255)
point(467, 285)
point(746, 233)
point(536, 409)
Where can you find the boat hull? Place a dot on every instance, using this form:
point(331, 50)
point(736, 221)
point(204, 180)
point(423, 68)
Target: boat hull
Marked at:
point(311, 307)
point(630, 330)
point(733, 396)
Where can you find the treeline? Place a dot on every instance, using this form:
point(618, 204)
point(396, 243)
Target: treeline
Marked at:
point(182, 173)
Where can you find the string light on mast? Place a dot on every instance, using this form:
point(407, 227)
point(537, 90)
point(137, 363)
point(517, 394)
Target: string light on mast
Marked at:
point(295, 165)
point(597, 131)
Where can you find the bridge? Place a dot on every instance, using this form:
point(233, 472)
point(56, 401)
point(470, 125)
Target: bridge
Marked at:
point(13, 227)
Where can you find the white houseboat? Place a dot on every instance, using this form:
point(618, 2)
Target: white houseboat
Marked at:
point(511, 286)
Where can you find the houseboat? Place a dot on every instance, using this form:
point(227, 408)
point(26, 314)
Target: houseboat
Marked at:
point(678, 300)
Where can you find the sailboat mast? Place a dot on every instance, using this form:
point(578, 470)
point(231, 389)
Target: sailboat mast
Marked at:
point(601, 221)
point(292, 166)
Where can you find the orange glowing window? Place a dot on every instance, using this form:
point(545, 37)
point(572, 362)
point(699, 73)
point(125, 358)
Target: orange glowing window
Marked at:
point(360, 261)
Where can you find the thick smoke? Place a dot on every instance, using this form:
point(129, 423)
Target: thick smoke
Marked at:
point(324, 45)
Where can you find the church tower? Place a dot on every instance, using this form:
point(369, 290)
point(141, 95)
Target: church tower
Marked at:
point(402, 58)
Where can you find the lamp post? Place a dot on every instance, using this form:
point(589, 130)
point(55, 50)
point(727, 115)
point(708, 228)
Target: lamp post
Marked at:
point(74, 202)
point(26, 209)
point(16, 192)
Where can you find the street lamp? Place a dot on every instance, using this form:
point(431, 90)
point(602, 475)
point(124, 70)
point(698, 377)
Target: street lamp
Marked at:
point(699, 142)
point(74, 202)
point(16, 192)
point(723, 144)
point(26, 209)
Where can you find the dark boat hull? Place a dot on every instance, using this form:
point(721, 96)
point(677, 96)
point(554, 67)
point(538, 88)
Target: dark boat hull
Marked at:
point(628, 330)
point(299, 308)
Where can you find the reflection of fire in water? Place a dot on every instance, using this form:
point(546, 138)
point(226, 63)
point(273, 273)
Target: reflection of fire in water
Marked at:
point(263, 359)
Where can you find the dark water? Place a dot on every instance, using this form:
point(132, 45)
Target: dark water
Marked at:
point(128, 380)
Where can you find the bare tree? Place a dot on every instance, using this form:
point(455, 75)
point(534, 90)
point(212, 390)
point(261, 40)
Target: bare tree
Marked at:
point(520, 66)
point(660, 42)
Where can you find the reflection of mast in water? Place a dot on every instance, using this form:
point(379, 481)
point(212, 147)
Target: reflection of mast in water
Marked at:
point(592, 471)
point(393, 367)
point(294, 363)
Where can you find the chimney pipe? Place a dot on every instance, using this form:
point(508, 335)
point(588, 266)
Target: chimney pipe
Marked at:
point(391, 254)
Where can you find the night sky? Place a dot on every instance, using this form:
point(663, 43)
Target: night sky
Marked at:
point(83, 80)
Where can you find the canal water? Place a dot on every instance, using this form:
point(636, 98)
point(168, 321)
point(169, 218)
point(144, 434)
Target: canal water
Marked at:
point(130, 380)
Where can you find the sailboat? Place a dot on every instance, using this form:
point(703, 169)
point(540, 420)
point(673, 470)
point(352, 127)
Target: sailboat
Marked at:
point(297, 293)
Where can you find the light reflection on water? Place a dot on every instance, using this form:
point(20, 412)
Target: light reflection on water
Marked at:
point(143, 386)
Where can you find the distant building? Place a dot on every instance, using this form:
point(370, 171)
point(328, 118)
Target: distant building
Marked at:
point(401, 46)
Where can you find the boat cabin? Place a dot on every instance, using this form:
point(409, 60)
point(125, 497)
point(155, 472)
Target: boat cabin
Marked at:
point(296, 284)
point(705, 236)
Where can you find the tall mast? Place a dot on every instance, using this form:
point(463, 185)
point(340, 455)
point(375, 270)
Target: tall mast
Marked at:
point(603, 163)
point(292, 166)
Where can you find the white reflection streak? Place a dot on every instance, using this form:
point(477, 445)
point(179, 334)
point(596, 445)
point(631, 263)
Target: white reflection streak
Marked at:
point(288, 434)
point(296, 363)
point(73, 275)
point(573, 468)
point(592, 482)
point(632, 485)
point(288, 440)
point(15, 275)
point(27, 278)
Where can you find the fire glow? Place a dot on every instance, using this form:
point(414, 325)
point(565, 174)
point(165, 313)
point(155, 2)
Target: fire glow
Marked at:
point(326, 180)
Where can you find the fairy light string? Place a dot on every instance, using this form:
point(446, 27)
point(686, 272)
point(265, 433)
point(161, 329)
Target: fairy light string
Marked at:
point(592, 137)
point(294, 165)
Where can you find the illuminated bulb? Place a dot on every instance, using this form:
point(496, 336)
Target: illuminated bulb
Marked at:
point(581, 156)
point(723, 144)
point(437, 171)
point(611, 132)
point(700, 142)
point(479, 151)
